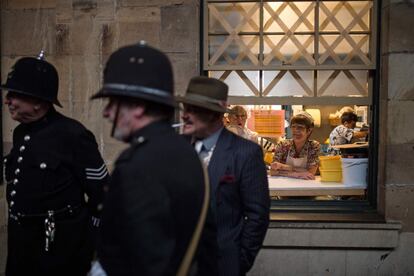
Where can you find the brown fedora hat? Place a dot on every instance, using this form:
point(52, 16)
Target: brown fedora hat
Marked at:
point(207, 93)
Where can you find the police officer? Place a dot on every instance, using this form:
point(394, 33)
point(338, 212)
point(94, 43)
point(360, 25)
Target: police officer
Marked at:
point(53, 164)
point(157, 192)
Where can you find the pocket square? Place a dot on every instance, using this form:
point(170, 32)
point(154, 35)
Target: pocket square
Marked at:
point(227, 178)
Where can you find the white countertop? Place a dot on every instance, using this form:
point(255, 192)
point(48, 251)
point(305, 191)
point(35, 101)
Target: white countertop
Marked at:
point(286, 186)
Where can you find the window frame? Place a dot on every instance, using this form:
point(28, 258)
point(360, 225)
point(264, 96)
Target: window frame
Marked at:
point(286, 207)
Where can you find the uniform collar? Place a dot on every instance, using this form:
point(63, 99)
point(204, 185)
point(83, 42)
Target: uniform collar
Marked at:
point(153, 129)
point(45, 120)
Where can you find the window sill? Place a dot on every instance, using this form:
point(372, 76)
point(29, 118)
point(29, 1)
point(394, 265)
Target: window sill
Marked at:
point(309, 233)
point(369, 217)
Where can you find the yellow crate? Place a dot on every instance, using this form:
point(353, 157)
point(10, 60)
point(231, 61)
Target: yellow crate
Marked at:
point(330, 162)
point(331, 175)
point(268, 157)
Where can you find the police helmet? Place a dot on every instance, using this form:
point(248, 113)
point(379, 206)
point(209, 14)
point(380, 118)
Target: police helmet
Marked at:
point(138, 71)
point(34, 77)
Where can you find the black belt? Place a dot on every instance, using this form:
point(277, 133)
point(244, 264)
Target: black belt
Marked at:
point(49, 220)
point(67, 211)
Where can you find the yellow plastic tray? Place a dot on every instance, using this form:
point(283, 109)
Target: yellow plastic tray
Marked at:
point(331, 175)
point(330, 162)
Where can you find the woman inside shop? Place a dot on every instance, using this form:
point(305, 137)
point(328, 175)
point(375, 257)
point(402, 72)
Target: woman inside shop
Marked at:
point(297, 157)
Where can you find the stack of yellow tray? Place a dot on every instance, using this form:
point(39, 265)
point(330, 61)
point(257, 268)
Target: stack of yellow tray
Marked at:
point(330, 168)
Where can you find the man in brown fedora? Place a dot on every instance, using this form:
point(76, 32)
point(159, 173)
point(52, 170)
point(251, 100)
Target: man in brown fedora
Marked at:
point(238, 182)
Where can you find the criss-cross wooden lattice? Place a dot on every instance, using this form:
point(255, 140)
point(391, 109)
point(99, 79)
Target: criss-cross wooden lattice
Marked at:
point(245, 79)
point(266, 90)
point(360, 88)
point(279, 77)
point(289, 33)
point(344, 32)
point(303, 35)
point(233, 34)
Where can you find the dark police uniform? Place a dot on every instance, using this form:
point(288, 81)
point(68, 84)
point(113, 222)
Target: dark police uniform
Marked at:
point(54, 162)
point(55, 177)
point(152, 206)
point(157, 189)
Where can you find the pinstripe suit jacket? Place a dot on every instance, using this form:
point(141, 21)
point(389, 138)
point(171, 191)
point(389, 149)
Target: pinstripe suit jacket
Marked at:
point(240, 198)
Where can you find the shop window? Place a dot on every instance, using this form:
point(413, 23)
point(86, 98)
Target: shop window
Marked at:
point(293, 56)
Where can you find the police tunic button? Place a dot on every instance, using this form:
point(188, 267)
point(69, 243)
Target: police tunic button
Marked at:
point(5, 160)
point(13, 193)
point(26, 138)
point(20, 159)
point(15, 181)
point(17, 171)
point(22, 148)
point(140, 139)
point(11, 203)
point(99, 207)
point(43, 166)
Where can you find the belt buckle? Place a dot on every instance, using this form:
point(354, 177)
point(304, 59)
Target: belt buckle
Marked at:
point(50, 229)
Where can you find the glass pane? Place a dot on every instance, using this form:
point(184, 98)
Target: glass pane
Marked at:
point(241, 83)
point(229, 17)
point(288, 17)
point(344, 15)
point(341, 173)
point(227, 50)
point(289, 50)
point(287, 83)
point(343, 83)
point(343, 50)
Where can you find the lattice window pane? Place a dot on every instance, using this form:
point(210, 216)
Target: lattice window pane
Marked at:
point(345, 32)
point(233, 34)
point(335, 16)
point(349, 83)
point(289, 50)
point(241, 83)
point(288, 83)
point(336, 49)
point(288, 17)
point(225, 50)
point(233, 17)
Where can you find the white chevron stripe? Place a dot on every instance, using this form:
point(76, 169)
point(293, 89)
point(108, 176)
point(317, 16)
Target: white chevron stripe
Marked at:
point(95, 170)
point(97, 177)
point(96, 174)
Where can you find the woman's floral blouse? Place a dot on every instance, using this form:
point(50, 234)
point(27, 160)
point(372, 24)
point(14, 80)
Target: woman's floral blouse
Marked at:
point(286, 148)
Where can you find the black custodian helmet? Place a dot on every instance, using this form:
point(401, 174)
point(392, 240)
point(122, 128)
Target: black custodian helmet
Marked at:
point(34, 77)
point(138, 71)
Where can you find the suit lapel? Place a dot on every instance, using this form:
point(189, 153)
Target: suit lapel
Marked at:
point(219, 159)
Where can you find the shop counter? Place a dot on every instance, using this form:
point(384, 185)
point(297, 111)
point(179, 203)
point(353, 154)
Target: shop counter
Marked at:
point(285, 186)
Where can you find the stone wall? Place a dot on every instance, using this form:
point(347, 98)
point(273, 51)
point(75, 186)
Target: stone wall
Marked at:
point(78, 37)
point(397, 102)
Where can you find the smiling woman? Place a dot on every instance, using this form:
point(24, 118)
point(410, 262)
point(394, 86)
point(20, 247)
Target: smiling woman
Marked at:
point(297, 157)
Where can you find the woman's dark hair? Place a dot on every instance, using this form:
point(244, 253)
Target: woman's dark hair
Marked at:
point(349, 117)
point(302, 119)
